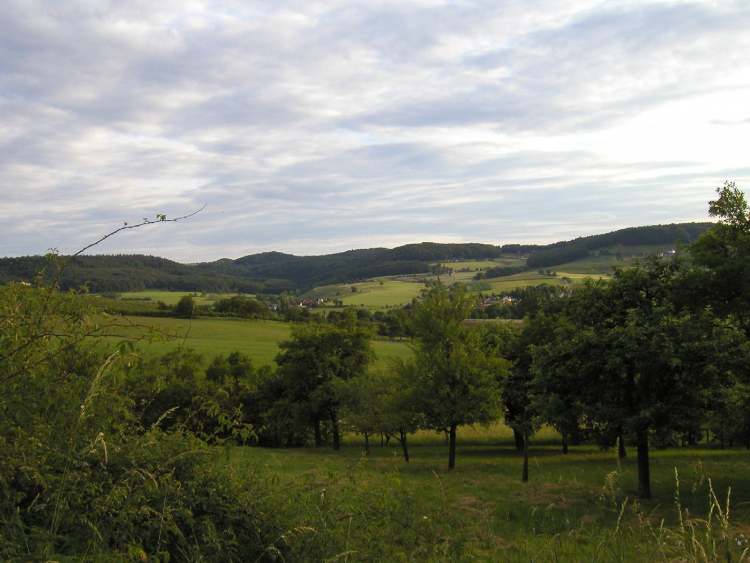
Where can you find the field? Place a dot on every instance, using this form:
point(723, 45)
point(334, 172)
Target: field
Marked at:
point(378, 293)
point(172, 297)
point(576, 507)
point(525, 279)
point(210, 337)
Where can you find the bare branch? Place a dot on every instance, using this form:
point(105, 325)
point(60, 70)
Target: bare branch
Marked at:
point(160, 219)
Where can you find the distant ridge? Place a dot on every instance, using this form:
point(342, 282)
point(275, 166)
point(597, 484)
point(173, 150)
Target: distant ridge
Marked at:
point(274, 272)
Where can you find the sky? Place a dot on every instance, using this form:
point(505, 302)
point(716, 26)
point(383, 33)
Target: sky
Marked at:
point(320, 126)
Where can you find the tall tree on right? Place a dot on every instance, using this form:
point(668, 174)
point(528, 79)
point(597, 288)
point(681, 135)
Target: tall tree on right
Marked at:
point(722, 255)
point(640, 363)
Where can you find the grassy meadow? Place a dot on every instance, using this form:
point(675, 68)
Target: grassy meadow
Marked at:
point(577, 507)
point(377, 293)
point(258, 339)
point(172, 297)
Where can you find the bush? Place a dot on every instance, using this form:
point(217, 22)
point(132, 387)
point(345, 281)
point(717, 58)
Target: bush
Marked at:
point(81, 475)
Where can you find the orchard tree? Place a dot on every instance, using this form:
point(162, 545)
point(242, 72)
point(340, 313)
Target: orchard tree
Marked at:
point(315, 361)
point(459, 384)
point(722, 254)
point(640, 364)
point(185, 307)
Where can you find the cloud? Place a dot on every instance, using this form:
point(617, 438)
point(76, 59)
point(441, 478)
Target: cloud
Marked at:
point(312, 127)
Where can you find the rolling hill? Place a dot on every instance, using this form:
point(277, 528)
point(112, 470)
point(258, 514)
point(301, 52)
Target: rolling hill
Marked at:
point(274, 272)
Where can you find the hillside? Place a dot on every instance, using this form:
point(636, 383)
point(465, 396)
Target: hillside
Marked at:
point(274, 272)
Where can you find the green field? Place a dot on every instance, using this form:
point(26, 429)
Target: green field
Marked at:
point(576, 507)
point(210, 337)
point(525, 279)
point(172, 297)
point(479, 265)
point(378, 293)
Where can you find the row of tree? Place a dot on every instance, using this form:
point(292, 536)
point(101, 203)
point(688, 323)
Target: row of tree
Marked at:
point(654, 354)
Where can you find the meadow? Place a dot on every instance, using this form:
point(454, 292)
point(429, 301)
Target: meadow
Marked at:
point(172, 297)
point(259, 339)
point(377, 293)
point(577, 507)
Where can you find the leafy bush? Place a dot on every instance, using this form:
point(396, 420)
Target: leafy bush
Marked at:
point(81, 475)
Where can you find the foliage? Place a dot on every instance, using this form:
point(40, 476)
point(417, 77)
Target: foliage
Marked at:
point(723, 253)
point(568, 251)
point(629, 359)
point(458, 383)
point(314, 364)
point(185, 307)
point(81, 475)
point(243, 306)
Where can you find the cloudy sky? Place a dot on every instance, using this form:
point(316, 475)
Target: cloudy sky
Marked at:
point(319, 126)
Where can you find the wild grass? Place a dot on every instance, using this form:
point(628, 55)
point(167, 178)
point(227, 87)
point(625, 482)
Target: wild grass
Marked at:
point(577, 507)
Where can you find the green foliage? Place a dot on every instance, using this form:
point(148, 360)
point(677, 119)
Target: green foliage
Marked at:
point(83, 474)
point(315, 363)
point(569, 251)
point(459, 384)
point(626, 358)
point(243, 306)
point(185, 307)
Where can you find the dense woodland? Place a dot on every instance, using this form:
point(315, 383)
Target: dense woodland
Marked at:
point(108, 451)
point(275, 272)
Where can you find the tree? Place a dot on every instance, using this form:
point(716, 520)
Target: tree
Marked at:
point(722, 255)
point(315, 361)
point(458, 383)
point(185, 307)
point(640, 363)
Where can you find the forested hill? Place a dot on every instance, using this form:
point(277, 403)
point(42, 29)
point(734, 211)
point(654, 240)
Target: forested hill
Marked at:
point(568, 251)
point(274, 272)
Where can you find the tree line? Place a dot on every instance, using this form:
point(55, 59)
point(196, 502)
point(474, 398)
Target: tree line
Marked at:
point(105, 451)
point(656, 355)
point(276, 272)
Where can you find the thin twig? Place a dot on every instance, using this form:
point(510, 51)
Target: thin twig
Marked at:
point(161, 219)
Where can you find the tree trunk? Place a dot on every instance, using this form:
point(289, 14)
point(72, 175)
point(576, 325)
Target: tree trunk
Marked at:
point(318, 436)
point(564, 443)
point(404, 445)
point(367, 443)
point(452, 447)
point(621, 451)
point(525, 474)
point(335, 429)
point(644, 470)
point(518, 438)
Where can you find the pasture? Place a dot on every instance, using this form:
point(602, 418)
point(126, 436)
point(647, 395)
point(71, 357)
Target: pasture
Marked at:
point(525, 279)
point(377, 293)
point(576, 507)
point(258, 339)
point(172, 297)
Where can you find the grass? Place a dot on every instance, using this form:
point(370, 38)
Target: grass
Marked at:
point(478, 265)
point(211, 337)
point(573, 509)
point(172, 297)
point(378, 293)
